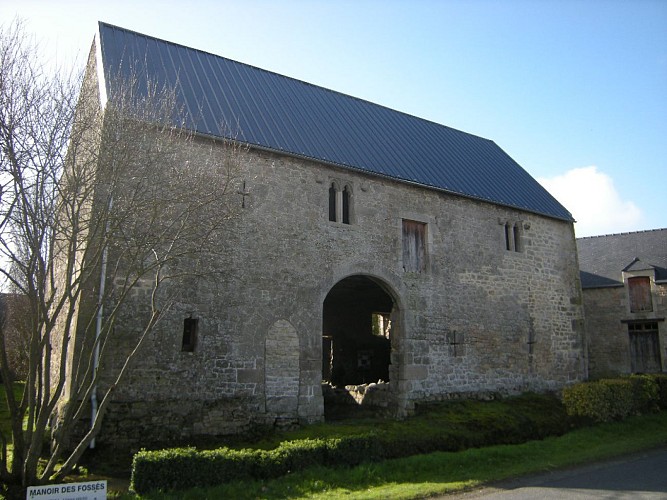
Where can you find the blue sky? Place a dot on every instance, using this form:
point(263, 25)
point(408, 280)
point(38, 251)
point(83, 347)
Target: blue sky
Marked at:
point(575, 91)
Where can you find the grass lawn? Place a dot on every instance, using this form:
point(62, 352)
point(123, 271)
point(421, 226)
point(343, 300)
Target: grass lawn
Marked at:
point(418, 476)
point(438, 473)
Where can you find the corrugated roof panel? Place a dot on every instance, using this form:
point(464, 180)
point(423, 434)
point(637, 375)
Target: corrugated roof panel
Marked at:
point(283, 114)
point(228, 117)
point(271, 94)
point(202, 85)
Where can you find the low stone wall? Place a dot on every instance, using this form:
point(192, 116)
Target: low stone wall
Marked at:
point(174, 422)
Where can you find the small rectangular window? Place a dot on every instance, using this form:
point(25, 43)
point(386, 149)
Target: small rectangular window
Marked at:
point(640, 294)
point(414, 246)
point(508, 240)
point(190, 330)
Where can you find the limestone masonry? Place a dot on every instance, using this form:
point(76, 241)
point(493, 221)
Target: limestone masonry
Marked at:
point(334, 277)
point(477, 319)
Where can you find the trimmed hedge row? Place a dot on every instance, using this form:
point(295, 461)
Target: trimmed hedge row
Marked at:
point(662, 390)
point(615, 399)
point(183, 468)
point(450, 426)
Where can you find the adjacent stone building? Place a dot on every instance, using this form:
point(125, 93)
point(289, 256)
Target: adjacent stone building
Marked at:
point(624, 281)
point(370, 246)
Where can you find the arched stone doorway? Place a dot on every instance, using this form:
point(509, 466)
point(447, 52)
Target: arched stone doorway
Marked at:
point(357, 333)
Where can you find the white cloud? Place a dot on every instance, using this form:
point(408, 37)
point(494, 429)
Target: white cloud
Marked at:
point(592, 198)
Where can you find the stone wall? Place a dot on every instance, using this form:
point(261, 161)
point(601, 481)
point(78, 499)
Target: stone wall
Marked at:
point(607, 316)
point(608, 350)
point(478, 319)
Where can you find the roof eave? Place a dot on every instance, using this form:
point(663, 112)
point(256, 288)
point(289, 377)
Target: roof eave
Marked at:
point(383, 176)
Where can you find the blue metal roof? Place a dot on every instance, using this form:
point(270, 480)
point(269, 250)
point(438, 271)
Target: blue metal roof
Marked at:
point(272, 111)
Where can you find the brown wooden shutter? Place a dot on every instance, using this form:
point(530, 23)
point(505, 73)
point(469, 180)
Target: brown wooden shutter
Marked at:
point(414, 246)
point(640, 294)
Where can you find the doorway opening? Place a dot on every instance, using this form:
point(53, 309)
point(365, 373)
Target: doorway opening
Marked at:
point(356, 343)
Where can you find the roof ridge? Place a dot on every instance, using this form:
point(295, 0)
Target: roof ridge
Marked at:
point(257, 68)
point(623, 233)
point(289, 116)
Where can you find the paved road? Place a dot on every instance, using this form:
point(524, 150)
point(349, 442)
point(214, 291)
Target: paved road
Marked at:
point(642, 476)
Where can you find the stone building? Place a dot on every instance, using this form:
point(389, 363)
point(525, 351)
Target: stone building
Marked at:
point(624, 282)
point(371, 246)
point(13, 319)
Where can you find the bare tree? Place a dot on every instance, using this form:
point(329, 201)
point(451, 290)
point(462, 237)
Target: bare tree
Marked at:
point(94, 201)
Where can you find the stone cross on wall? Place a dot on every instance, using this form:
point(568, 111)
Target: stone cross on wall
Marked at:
point(455, 339)
point(243, 192)
point(531, 341)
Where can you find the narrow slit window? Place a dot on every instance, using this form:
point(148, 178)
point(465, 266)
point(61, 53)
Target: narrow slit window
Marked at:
point(346, 205)
point(512, 233)
point(190, 330)
point(340, 203)
point(332, 203)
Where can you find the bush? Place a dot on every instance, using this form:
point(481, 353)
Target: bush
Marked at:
point(449, 426)
point(183, 468)
point(661, 381)
point(612, 399)
point(349, 451)
point(295, 455)
point(646, 393)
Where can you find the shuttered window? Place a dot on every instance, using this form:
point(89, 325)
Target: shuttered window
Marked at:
point(640, 294)
point(414, 246)
point(644, 347)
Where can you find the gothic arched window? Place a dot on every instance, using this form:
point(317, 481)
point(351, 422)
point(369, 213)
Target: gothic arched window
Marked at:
point(340, 203)
point(332, 202)
point(346, 205)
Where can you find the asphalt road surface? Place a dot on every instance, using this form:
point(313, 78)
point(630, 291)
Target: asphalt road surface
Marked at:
point(642, 476)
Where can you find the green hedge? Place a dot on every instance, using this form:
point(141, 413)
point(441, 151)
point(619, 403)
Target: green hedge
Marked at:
point(661, 380)
point(450, 426)
point(183, 468)
point(615, 399)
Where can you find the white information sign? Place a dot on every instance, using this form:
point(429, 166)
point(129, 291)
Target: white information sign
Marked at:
point(91, 490)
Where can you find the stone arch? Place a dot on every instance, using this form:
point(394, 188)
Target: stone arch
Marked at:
point(281, 374)
point(360, 316)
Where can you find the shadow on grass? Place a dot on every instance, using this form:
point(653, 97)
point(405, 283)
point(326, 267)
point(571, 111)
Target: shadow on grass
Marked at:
point(446, 472)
